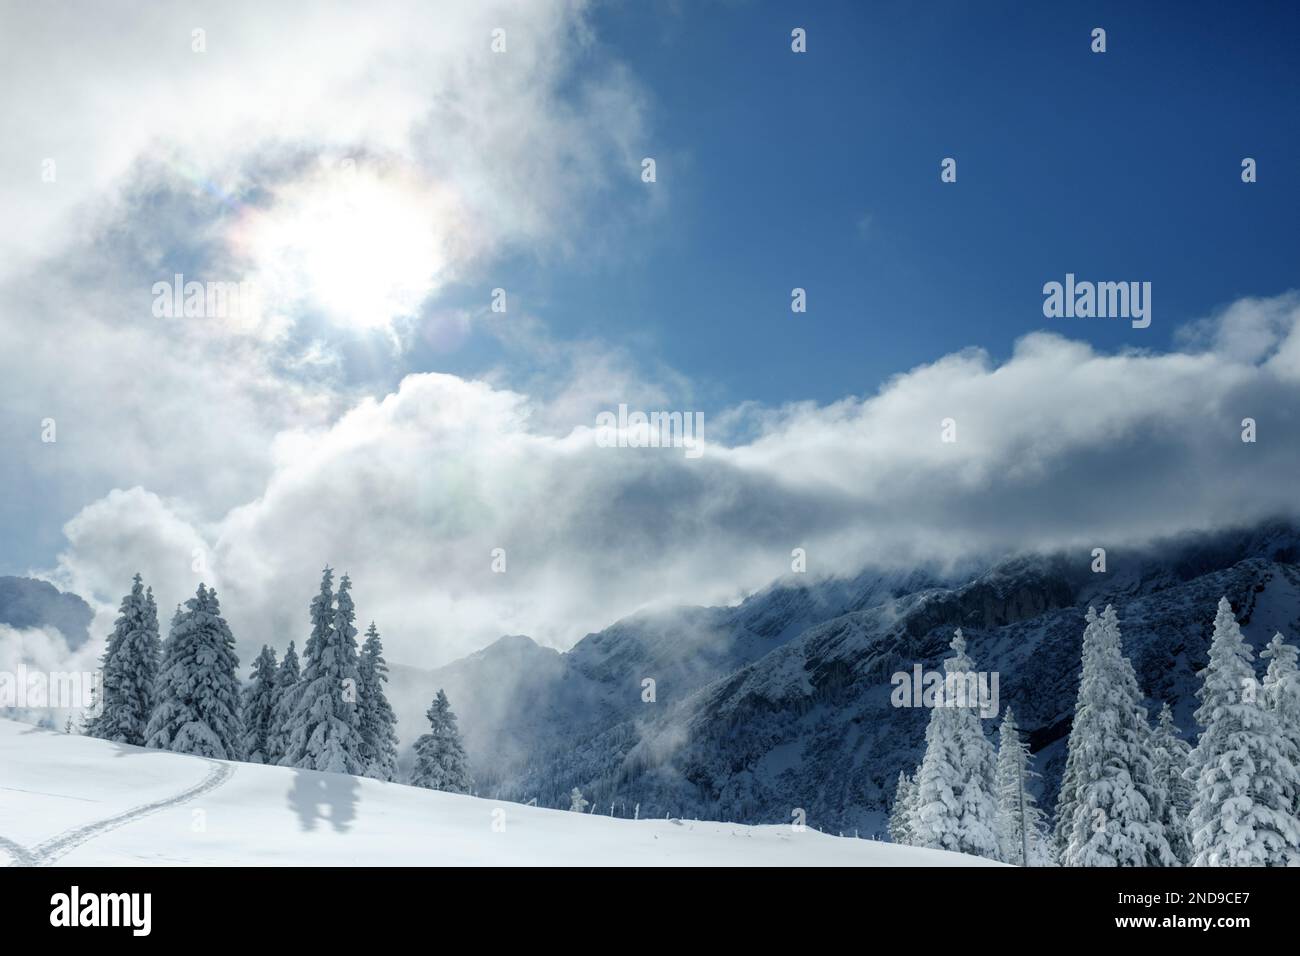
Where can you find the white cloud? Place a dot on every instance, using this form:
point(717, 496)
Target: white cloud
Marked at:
point(98, 87)
point(142, 532)
point(42, 679)
point(1253, 330)
point(1059, 446)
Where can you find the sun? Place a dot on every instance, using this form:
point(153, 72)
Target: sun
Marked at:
point(361, 246)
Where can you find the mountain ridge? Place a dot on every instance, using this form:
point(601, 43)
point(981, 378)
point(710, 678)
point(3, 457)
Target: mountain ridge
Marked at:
point(762, 708)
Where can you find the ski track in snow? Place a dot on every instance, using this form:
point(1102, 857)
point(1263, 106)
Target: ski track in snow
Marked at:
point(20, 855)
point(44, 854)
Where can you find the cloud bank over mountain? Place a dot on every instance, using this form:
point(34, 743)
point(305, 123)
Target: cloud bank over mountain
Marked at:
point(1059, 446)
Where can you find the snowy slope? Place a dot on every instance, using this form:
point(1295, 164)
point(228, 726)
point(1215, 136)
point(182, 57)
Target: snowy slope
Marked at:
point(77, 801)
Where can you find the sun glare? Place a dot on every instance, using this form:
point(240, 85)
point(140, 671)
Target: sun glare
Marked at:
point(359, 246)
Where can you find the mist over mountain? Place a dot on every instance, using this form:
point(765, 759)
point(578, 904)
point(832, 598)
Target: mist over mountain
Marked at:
point(783, 701)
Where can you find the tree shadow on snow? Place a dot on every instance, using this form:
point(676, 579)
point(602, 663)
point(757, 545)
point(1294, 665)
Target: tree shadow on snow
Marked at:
point(335, 793)
point(131, 750)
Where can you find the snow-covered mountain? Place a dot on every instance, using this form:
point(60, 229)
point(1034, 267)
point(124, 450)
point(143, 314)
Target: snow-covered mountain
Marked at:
point(77, 801)
point(519, 701)
point(782, 702)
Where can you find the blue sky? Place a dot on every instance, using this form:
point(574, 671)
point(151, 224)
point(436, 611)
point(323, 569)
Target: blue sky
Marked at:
point(379, 175)
point(822, 171)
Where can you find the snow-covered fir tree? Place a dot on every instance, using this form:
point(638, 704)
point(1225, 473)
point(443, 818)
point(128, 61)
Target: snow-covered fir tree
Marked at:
point(440, 762)
point(956, 802)
point(1066, 797)
point(577, 802)
point(257, 706)
point(130, 668)
point(282, 707)
point(1243, 766)
point(1020, 822)
point(1169, 754)
point(1114, 819)
point(325, 730)
point(378, 735)
point(1282, 693)
point(197, 692)
point(900, 815)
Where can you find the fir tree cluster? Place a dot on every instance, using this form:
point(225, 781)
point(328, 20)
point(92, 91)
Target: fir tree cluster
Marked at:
point(328, 712)
point(1131, 794)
